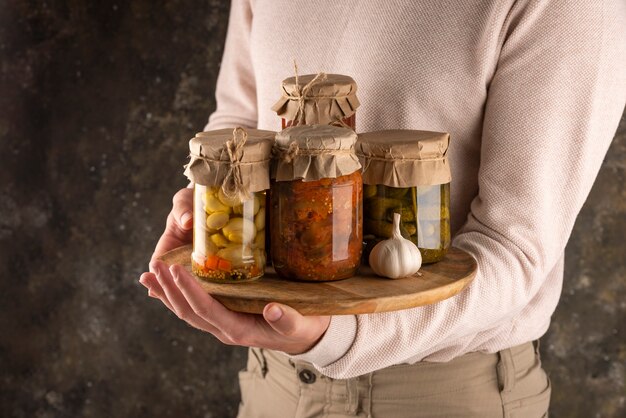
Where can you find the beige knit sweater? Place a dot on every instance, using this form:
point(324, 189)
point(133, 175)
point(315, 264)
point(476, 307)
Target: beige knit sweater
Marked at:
point(531, 92)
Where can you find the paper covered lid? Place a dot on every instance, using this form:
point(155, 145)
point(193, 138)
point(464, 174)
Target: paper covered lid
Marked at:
point(317, 98)
point(314, 152)
point(404, 158)
point(237, 160)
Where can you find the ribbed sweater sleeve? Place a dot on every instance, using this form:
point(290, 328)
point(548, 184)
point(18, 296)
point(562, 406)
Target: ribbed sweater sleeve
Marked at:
point(235, 93)
point(553, 106)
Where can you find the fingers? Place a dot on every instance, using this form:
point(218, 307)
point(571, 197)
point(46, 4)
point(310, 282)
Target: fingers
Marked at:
point(149, 280)
point(176, 299)
point(232, 325)
point(179, 225)
point(182, 209)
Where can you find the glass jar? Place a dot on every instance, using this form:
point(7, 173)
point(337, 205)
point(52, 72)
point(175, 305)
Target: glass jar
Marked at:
point(230, 172)
point(229, 236)
point(318, 99)
point(407, 172)
point(424, 217)
point(316, 230)
point(316, 201)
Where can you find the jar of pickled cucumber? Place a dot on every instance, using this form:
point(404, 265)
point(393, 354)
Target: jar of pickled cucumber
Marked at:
point(318, 99)
point(230, 172)
point(316, 204)
point(407, 172)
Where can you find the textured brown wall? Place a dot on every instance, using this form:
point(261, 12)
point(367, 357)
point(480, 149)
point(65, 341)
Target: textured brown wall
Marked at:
point(96, 104)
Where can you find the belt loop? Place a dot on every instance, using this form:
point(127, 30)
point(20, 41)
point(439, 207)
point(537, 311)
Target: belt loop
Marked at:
point(506, 371)
point(262, 361)
point(352, 391)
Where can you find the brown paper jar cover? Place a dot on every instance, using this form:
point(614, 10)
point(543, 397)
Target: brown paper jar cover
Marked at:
point(330, 98)
point(314, 152)
point(211, 165)
point(404, 158)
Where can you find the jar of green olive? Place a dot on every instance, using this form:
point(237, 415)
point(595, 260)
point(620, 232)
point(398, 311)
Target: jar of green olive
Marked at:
point(406, 172)
point(230, 172)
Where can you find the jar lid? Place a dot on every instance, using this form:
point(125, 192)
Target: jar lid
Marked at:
point(314, 152)
point(404, 158)
point(237, 160)
point(317, 98)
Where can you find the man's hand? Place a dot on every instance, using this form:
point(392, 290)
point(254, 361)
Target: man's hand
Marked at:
point(279, 328)
point(179, 224)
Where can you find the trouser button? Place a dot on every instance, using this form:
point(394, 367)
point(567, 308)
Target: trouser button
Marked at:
point(307, 376)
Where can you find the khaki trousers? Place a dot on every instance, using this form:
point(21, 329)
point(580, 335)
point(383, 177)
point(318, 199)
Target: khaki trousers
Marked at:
point(510, 383)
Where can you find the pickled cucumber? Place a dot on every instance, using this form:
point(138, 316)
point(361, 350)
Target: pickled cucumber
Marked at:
point(379, 207)
point(383, 229)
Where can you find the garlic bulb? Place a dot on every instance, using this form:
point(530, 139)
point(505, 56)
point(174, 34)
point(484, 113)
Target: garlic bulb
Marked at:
point(395, 257)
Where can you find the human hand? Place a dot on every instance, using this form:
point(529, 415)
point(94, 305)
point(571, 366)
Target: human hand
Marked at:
point(179, 224)
point(280, 327)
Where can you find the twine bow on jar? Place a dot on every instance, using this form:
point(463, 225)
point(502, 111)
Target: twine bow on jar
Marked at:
point(233, 185)
point(301, 94)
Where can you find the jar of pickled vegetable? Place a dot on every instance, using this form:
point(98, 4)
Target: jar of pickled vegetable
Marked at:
point(316, 204)
point(230, 172)
point(407, 172)
point(318, 99)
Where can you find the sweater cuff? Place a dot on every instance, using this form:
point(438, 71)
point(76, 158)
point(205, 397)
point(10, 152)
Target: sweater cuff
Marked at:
point(334, 344)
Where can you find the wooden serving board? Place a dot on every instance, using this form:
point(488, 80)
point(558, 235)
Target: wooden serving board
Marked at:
point(364, 293)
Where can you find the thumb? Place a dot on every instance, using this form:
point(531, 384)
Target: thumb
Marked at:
point(288, 322)
point(282, 318)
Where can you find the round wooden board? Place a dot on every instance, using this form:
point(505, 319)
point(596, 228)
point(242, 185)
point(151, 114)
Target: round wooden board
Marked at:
point(364, 293)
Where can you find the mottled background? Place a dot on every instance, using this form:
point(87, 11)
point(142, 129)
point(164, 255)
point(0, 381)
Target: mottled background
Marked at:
point(97, 101)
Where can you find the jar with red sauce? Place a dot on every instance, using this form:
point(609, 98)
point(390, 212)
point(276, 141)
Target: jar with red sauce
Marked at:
point(316, 204)
point(318, 99)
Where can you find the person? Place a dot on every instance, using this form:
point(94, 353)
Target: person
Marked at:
point(531, 92)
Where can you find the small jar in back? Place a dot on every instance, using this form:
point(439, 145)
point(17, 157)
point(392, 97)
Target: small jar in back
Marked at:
point(318, 99)
point(316, 204)
point(230, 172)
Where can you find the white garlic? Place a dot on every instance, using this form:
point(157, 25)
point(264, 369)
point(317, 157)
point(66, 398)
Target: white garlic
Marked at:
point(397, 256)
